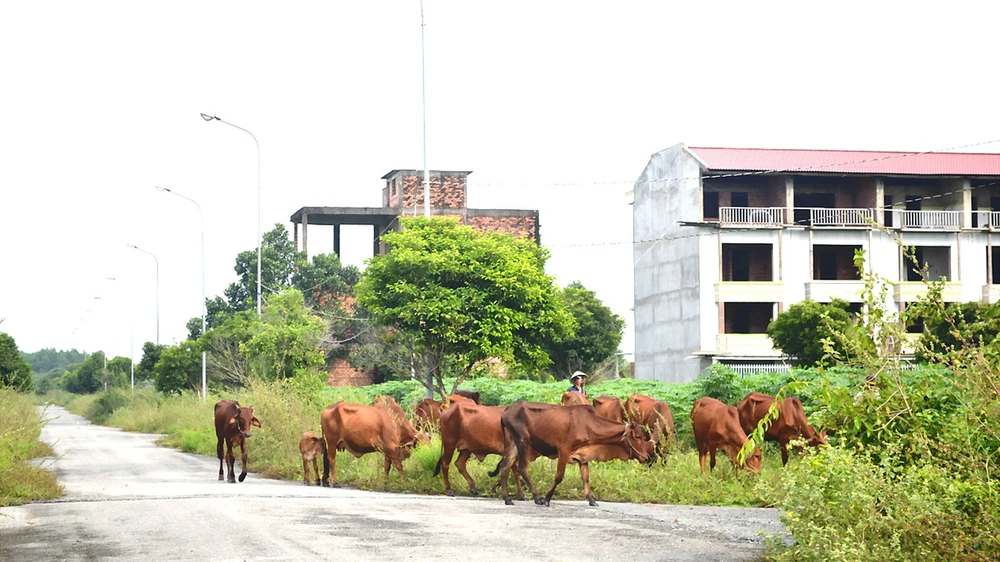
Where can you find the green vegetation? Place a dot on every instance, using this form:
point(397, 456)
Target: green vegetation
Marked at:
point(596, 335)
point(20, 426)
point(15, 372)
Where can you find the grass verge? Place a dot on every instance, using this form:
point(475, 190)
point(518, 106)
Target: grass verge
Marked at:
point(20, 426)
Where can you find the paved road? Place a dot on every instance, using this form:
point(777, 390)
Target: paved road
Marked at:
point(127, 499)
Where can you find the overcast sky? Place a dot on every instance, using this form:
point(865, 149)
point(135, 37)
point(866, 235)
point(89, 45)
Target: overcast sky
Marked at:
point(554, 106)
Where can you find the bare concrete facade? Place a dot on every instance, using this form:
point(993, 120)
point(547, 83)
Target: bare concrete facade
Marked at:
point(403, 195)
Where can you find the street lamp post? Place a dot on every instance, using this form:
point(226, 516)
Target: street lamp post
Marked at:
point(134, 247)
point(201, 217)
point(207, 117)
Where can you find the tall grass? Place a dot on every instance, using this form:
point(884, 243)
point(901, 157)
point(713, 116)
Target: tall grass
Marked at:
point(20, 427)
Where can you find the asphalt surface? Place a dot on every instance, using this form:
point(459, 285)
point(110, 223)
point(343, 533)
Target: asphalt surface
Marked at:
point(128, 499)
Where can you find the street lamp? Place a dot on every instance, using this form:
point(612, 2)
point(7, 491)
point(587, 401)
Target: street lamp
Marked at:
point(134, 247)
point(201, 216)
point(207, 117)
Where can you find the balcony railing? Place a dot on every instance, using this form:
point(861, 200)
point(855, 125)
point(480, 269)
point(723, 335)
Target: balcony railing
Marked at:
point(991, 294)
point(909, 291)
point(841, 217)
point(935, 220)
point(986, 219)
point(755, 216)
point(851, 218)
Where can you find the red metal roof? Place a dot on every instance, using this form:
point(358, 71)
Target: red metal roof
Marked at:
point(849, 161)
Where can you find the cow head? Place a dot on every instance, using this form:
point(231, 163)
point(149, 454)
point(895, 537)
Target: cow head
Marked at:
point(753, 461)
point(815, 439)
point(243, 420)
point(640, 448)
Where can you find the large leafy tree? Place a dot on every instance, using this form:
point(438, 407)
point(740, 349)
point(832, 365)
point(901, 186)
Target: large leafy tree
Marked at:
point(88, 377)
point(47, 359)
point(150, 355)
point(596, 335)
point(812, 333)
point(179, 368)
point(278, 262)
point(325, 281)
point(118, 371)
point(465, 295)
point(958, 326)
point(15, 372)
point(281, 343)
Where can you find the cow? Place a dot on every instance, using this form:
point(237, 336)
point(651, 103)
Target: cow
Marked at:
point(474, 396)
point(655, 419)
point(610, 407)
point(312, 448)
point(790, 424)
point(718, 425)
point(408, 435)
point(472, 430)
point(361, 429)
point(575, 399)
point(569, 434)
point(232, 425)
point(427, 412)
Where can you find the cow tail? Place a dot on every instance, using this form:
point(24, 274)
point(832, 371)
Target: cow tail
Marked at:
point(437, 467)
point(503, 457)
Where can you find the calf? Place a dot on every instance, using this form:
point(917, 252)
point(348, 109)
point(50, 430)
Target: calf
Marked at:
point(717, 425)
point(312, 448)
point(232, 425)
point(610, 407)
point(574, 399)
point(790, 424)
point(655, 419)
point(569, 434)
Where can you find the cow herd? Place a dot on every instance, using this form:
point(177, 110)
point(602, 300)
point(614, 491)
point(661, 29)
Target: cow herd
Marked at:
point(576, 432)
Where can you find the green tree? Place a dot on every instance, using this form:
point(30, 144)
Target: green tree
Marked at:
point(283, 342)
point(278, 262)
point(15, 372)
point(150, 355)
point(596, 336)
point(47, 359)
point(807, 328)
point(465, 295)
point(88, 377)
point(958, 326)
point(325, 281)
point(117, 373)
point(179, 368)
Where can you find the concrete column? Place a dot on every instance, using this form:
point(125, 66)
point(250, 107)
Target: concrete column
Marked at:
point(378, 230)
point(966, 187)
point(336, 239)
point(305, 234)
point(295, 235)
point(789, 200)
point(880, 201)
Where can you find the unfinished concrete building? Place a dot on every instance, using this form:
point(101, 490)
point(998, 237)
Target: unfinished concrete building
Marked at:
point(403, 195)
point(726, 238)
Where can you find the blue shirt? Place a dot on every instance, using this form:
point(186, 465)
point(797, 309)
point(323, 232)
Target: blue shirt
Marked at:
point(575, 389)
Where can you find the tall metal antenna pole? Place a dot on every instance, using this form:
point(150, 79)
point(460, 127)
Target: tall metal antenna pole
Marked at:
point(423, 105)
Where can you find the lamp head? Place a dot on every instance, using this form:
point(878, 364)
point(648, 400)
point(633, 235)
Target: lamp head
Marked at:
point(207, 117)
point(159, 188)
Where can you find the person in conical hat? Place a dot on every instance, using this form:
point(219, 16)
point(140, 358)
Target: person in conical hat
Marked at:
point(577, 379)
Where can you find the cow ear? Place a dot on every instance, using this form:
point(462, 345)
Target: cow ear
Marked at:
point(255, 421)
point(232, 419)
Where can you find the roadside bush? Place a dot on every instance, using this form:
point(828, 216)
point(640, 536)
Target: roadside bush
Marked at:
point(106, 403)
point(20, 427)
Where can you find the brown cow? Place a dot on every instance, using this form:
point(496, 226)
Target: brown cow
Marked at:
point(408, 435)
point(610, 407)
point(568, 433)
point(655, 419)
point(361, 429)
point(427, 412)
point(718, 425)
point(312, 448)
point(474, 396)
point(472, 430)
point(232, 425)
point(790, 424)
point(575, 399)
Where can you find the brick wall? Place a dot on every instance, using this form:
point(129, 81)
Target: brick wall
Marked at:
point(518, 226)
point(448, 191)
point(342, 374)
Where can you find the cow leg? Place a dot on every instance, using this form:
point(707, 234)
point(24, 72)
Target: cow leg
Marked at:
point(585, 476)
point(711, 464)
point(509, 458)
point(330, 468)
point(393, 457)
point(784, 453)
point(230, 462)
point(218, 450)
point(305, 470)
point(316, 470)
point(463, 458)
point(560, 472)
point(520, 489)
point(523, 450)
point(445, 463)
point(243, 452)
